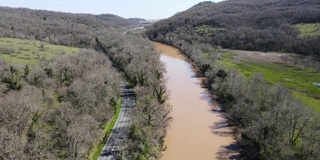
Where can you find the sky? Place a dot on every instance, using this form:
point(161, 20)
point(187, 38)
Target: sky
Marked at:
point(147, 9)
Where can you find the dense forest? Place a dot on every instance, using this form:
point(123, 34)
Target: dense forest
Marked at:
point(260, 25)
point(269, 122)
point(57, 27)
point(57, 109)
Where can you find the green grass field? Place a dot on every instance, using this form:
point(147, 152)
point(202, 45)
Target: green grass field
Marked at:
point(300, 81)
point(22, 51)
point(309, 29)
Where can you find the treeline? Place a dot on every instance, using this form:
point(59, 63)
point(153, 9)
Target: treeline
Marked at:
point(56, 27)
point(269, 122)
point(261, 25)
point(56, 109)
point(140, 63)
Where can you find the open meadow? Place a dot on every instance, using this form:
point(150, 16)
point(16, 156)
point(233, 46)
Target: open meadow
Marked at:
point(21, 51)
point(275, 69)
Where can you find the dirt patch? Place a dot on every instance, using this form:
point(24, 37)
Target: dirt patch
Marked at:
point(266, 57)
point(300, 61)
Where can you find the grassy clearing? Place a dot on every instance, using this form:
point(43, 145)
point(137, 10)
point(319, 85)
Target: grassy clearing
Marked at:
point(207, 30)
point(227, 56)
point(309, 29)
point(95, 152)
point(22, 51)
point(307, 100)
point(300, 81)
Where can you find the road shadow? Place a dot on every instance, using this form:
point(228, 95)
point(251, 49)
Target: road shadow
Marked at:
point(109, 153)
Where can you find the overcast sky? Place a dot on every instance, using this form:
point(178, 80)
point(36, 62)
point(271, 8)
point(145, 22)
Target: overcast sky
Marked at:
point(147, 9)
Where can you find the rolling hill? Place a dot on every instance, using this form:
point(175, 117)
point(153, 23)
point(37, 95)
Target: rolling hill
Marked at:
point(57, 27)
point(260, 25)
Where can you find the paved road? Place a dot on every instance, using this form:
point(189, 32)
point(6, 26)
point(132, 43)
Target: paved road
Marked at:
point(119, 132)
point(118, 135)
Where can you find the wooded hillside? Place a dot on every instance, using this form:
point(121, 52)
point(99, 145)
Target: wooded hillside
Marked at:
point(56, 109)
point(57, 27)
point(263, 25)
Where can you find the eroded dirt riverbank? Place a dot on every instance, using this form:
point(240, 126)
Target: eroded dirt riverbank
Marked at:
point(196, 132)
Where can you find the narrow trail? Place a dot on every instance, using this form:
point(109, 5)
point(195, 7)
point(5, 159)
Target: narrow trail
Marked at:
point(197, 132)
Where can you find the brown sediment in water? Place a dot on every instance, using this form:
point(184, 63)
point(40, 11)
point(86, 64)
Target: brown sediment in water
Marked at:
point(169, 51)
point(197, 131)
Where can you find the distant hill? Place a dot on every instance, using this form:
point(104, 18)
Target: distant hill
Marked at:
point(265, 25)
point(58, 27)
point(117, 20)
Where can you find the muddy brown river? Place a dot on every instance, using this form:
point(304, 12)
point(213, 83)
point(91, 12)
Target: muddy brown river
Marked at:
point(196, 132)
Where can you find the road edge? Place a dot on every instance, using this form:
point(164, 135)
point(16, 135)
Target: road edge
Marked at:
point(106, 133)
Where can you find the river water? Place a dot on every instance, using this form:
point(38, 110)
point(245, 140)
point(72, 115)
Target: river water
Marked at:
point(196, 132)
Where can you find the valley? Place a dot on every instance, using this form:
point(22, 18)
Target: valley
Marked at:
point(236, 79)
